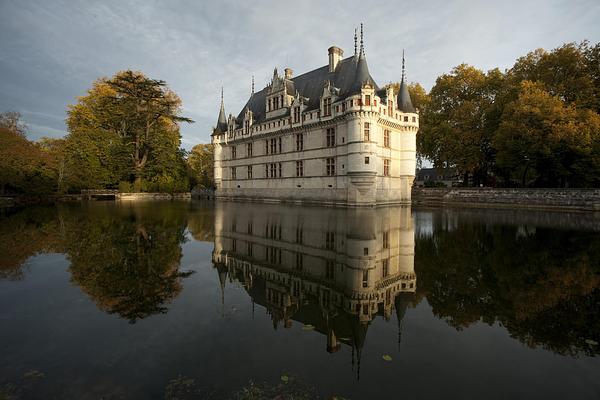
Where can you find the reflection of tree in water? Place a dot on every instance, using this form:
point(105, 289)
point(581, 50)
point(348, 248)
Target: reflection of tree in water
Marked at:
point(543, 286)
point(23, 234)
point(127, 258)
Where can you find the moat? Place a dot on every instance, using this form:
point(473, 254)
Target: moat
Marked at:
point(194, 300)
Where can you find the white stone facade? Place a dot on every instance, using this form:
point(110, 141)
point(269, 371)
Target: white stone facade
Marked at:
point(353, 147)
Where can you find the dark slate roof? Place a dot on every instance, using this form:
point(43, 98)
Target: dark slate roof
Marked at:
point(348, 72)
point(221, 121)
point(404, 101)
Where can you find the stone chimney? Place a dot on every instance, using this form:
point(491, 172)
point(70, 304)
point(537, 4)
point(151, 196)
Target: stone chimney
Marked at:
point(288, 73)
point(335, 55)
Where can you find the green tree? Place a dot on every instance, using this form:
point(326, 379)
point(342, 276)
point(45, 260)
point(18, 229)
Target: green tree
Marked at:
point(200, 164)
point(126, 127)
point(456, 130)
point(543, 141)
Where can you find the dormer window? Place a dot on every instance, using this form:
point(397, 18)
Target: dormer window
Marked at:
point(390, 107)
point(296, 114)
point(327, 107)
point(367, 100)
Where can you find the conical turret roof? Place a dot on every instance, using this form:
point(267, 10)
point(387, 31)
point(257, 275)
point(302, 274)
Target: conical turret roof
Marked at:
point(404, 101)
point(221, 121)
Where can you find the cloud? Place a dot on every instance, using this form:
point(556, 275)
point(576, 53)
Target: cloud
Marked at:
point(53, 51)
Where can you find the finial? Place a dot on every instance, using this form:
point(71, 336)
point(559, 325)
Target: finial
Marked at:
point(221, 95)
point(355, 43)
point(362, 48)
point(403, 65)
point(252, 84)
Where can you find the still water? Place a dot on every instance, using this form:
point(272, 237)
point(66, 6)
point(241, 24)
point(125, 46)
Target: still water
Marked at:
point(215, 301)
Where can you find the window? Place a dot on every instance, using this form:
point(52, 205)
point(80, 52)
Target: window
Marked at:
point(414, 119)
point(367, 131)
point(390, 107)
point(330, 240)
point(367, 100)
point(386, 167)
point(327, 107)
point(266, 147)
point(296, 114)
point(299, 235)
point(386, 240)
point(330, 137)
point(279, 144)
point(365, 278)
point(233, 152)
point(233, 173)
point(249, 149)
point(279, 170)
point(299, 261)
point(249, 228)
point(249, 249)
point(299, 168)
point(272, 171)
point(385, 269)
point(330, 166)
point(273, 146)
point(366, 251)
point(299, 142)
point(269, 108)
point(366, 160)
point(405, 118)
point(330, 269)
point(266, 170)
point(249, 171)
point(386, 138)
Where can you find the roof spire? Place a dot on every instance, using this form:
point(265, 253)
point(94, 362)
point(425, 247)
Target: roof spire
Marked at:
point(362, 47)
point(252, 84)
point(355, 43)
point(222, 96)
point(221, 121)
point(403, 70)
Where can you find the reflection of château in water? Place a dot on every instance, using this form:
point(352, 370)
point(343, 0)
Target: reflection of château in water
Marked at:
point(335, 269)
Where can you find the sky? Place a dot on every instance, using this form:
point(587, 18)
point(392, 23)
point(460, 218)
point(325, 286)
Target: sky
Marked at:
point(51, 51)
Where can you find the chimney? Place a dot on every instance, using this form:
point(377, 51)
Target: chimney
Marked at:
point(288, 73)
point(335, 55)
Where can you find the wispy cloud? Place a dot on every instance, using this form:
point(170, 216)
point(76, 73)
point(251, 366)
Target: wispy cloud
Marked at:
point(53, 51)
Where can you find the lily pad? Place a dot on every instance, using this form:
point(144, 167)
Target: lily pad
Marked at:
point(591, 342)
point(285, 378)
point(308, 327)
point(387, 357)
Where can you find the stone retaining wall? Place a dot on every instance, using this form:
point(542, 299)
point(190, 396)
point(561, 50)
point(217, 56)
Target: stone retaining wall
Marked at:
point(153, 196)
point(569, 199)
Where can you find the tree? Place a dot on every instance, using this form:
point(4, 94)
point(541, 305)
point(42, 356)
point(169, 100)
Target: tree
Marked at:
point(11, 120)
point(200, 164)
point(24, 167)
point(547, 142)
point(127, 125)
point(455, 128)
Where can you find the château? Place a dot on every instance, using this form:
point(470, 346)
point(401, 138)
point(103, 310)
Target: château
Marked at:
point(329, 136)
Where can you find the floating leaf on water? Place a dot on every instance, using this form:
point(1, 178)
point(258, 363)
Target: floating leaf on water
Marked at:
point(285, 378)
point(591, 342)
point(387, 357)
point(308, 327)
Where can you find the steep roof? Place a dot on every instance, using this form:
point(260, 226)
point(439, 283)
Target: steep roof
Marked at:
point(310, 85)
point(221, 126)
point(404, 101)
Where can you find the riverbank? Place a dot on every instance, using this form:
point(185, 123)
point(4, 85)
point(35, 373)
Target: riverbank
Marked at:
point(584, 200)
point(20, 200)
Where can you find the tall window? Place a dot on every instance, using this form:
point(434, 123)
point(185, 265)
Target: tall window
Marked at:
point(273, 170)
point(386, 138)
point(330, 269)
point(249, 171)
point(365, 278)
point(299, 142)
point(279, 170)
point(233, 152)
point(327, 107)
point(386, 167)
point(386, 240)
point(299, 168)
point(233, 173)
point(385, 269)
point(390, 108)
point(296, 114)
point(330, 137)
point(279, 144)
point(367, 100)
point(299, 261)
point(331, 166)
point(267, 146)
point(299, 235)
point(330, 240)
point(249, 149)
point(367, 131)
